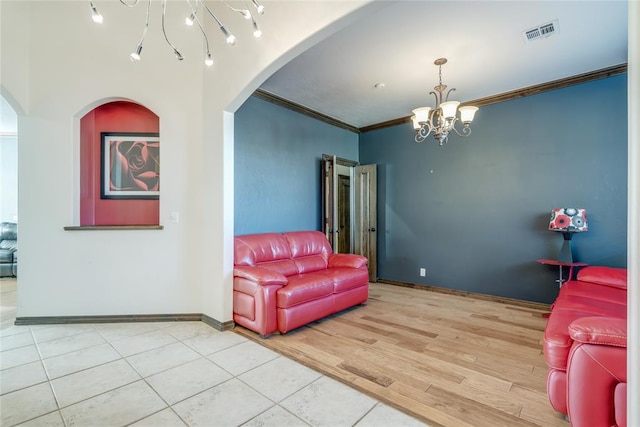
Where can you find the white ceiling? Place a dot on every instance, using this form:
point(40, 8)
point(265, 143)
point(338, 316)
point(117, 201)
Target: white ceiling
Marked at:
point(397, 44)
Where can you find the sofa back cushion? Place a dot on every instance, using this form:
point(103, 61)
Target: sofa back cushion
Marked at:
point(310, 250)
point(266, 250)
point(8, 231)
point(608, 276)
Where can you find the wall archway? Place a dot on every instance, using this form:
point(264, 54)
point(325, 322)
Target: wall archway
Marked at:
point(9, 160)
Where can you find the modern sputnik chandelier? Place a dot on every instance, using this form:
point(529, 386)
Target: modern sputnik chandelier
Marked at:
point(191, 19)
point(442, 119)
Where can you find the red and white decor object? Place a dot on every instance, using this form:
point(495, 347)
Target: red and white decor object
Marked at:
point(568, 221)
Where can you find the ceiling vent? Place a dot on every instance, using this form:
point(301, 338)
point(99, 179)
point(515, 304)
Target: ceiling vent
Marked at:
point(541, 31)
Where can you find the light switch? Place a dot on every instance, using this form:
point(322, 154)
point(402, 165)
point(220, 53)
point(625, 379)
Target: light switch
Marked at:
point(174, 217)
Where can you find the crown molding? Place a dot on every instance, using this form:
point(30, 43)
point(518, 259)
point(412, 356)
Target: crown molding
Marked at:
point(520, 93)
point(274, 99)
point(506, 96)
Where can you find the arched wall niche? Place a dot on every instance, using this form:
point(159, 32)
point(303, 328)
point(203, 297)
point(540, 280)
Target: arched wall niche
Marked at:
point(115, 116)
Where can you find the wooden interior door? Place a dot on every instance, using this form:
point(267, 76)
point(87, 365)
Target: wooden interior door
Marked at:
point(329, 202)
point(337, 202)
point(344, 214)
point(366, 216)
point(349, 208)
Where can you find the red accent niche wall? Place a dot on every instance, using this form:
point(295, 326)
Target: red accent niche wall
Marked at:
point(119, 116)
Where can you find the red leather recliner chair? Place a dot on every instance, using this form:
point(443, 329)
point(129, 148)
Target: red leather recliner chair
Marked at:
point(585, 348)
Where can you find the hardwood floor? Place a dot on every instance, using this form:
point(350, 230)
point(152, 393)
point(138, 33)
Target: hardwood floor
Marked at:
point(448, 360)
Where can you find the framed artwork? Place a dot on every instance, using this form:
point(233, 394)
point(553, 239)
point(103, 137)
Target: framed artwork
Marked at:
point(130, 165)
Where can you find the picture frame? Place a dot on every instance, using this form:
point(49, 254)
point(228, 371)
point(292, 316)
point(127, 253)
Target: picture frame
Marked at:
point(129, 165)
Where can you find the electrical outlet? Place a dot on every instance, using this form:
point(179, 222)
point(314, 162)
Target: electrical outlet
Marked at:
point(423, 272)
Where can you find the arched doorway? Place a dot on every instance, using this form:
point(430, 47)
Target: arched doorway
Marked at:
point(8, 211)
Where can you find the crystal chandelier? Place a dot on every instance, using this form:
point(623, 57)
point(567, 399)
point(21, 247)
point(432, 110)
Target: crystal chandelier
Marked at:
point(190, 20)
point(442, 119)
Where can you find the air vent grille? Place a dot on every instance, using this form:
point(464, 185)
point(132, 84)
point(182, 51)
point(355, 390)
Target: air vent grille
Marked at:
point(541, 31)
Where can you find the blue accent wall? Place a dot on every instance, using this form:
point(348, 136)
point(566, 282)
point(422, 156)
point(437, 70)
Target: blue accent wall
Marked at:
point(475, 211)
point(277, 167)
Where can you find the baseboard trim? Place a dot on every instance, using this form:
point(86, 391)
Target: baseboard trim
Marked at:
point(216, 324)
point(126, 318)
point(469, 294)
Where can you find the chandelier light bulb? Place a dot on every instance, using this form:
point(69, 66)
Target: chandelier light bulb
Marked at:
point(209, 61)
point(178, 55)
point(189, 20)
point(257, 33)
point(258, 6)
point(135, 56)
point(246, 14)
point(230, 38)
point(421, 114)
point(97, 18)
point(449, 109)
point(467, 113)
point(95, 15)
point(415, 123)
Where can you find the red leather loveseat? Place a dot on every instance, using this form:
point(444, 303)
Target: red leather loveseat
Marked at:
point(585, 347)
point(284, 281)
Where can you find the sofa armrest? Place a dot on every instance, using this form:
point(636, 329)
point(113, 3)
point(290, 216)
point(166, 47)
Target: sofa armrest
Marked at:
point(599, 330)
point(259, 275)
point(347, 260)
point(597, 372)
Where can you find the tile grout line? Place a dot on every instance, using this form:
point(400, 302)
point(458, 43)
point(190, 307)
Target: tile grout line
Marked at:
point(140, 376)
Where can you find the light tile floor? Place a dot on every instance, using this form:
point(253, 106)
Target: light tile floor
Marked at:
point(167, 374)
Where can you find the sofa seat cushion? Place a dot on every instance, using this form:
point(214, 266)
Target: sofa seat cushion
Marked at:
point(603, 293)
point(302, 288)
point(346, 278)
point(6, 256)
point(596, 307)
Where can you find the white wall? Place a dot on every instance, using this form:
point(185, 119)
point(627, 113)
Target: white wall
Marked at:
point(57, 65)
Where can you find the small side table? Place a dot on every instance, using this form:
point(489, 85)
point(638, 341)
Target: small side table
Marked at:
point(561, 264)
